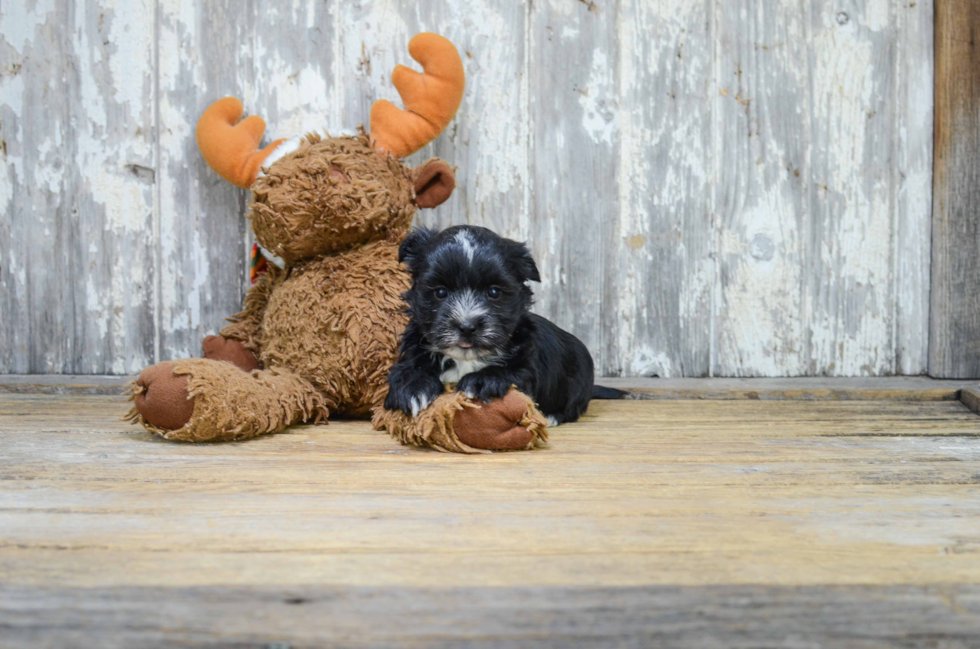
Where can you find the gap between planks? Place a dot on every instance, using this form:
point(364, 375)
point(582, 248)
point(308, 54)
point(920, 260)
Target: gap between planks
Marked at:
point(896, 388)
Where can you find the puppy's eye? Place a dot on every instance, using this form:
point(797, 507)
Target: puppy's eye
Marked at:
point(493, 293)
point(441, 293)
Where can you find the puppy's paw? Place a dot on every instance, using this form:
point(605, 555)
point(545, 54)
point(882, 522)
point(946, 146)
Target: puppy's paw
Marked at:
point(483, 387)
point(414, 395)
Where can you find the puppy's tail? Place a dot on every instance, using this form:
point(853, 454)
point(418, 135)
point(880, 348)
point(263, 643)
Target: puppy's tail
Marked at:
point(602, 392)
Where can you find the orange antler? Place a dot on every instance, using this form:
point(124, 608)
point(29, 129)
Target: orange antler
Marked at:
point(230, 148)
point(431, 98)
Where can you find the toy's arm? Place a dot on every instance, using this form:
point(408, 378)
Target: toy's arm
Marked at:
point(457, 424)
point(246, 325)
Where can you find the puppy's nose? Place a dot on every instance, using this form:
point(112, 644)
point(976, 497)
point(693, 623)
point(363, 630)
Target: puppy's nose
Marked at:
point(468, 327)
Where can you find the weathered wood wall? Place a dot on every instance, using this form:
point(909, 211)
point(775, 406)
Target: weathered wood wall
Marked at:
point(738, 188)
point(954, 344)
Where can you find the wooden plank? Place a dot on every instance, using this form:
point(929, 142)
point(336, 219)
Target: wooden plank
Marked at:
point(638, 493)
point(760, 189)
point(574, 152)
point(808, 180)
point(954, 332)
point(971, 399)
point(903, 388)
point(78, 131)
point(912, 178)
point(851, 247)
point(294, 67)
point(26, 294)
point(658, 263)
point(733, 616)
point(899, 388)
point(63, 384)
point(205, 53)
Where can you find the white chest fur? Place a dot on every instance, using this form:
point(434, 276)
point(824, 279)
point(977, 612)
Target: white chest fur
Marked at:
point(460, 369)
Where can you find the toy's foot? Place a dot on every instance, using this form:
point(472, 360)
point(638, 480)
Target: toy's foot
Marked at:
point(203, 400)
point(217, 348)
point(161, 398)
point(495, 426)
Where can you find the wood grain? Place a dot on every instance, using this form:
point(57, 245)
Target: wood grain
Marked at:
point(575, 117)
point(971, 398)
point(954, 333)
point(659, 266)
point(850, 294)
point(743, 616)
point(727, 189)
point(761, 184)
point(897, 388)
point(77, 126)
point(639, 493)
point(649, 522)
point(911, 172)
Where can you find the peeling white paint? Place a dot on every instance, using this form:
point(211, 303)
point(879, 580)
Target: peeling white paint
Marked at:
point(19, 21)
point(854, 337)
point(131, 42)
point(599, 101)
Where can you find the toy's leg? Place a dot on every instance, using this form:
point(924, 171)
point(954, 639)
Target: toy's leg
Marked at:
point(455, 423)
point(201, 399)
point(218, 348)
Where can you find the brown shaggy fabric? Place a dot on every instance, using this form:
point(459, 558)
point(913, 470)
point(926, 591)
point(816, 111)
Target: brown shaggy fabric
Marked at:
point(230, 404)
point(512, 423)
point(344, 311)
point(300, 209)
point(231, 351)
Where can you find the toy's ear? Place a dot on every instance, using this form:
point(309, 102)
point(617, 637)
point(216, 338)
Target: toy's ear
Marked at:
point(413, 248)
point(434, 183)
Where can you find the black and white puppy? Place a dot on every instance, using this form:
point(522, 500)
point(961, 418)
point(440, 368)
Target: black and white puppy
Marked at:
point(471, 325)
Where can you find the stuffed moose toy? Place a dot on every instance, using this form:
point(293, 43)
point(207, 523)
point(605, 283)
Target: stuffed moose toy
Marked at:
point(317, 336)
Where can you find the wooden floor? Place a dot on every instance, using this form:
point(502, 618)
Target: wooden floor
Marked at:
point(649, 523)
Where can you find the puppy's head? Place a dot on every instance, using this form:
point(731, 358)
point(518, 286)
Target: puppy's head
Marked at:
point(469, 289)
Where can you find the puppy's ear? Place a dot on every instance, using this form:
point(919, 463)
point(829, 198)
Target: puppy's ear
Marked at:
point(519, 257)
point(414, 246)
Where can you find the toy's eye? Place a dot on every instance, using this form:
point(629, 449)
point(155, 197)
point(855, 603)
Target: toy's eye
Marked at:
point(493, 293)
point(441, 293)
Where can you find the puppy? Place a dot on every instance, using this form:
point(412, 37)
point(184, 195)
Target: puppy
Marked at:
point(470, 324)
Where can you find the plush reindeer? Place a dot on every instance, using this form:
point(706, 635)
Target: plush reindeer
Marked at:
point(317, 336)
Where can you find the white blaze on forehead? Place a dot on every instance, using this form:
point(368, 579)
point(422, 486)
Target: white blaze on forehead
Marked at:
point(463, 239)
point(466, 306)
